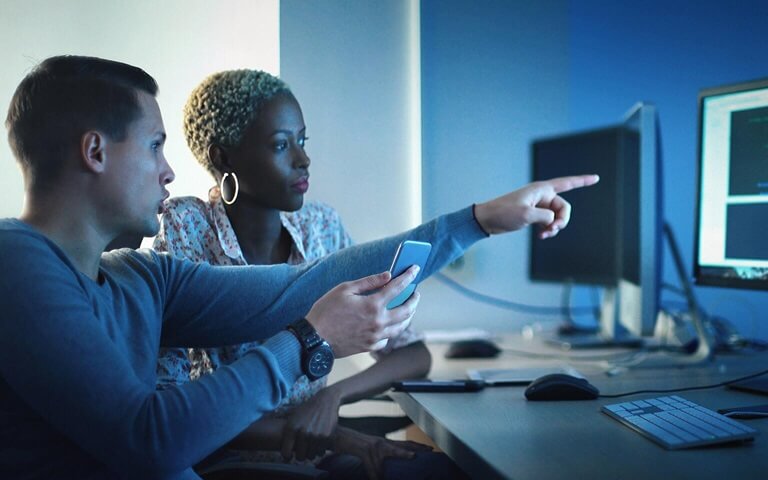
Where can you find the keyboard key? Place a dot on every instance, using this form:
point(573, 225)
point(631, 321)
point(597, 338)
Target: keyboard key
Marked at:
point(659, 433)
point(714, 421)
point(670, 427)
point(694, 425)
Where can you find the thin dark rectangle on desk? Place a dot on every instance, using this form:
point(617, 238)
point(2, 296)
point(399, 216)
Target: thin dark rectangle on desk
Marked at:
point(754, 385)
point(674, 422)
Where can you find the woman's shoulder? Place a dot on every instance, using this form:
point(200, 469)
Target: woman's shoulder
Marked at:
point(182, 206)
point(186, 212)
point(185, 227)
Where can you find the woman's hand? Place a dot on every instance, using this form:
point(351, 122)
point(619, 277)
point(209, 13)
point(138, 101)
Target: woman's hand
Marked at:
point(373, 450)
point(309, 428)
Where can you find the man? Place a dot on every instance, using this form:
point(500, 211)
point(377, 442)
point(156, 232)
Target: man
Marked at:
point(80, 331)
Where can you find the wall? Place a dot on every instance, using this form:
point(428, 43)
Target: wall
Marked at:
point(353, 66)
point(494, 76)
point(178, 42)
point(665, 52)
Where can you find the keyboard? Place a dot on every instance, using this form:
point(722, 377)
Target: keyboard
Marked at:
point(674, 422)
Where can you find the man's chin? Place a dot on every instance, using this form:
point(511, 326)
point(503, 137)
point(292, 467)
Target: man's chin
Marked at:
point(150, 228)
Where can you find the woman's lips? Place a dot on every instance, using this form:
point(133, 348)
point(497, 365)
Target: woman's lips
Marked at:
point(302, 185)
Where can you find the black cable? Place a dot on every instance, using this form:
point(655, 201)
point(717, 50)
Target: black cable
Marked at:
point(686, 389)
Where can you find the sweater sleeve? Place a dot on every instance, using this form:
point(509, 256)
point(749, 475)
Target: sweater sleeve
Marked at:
point(260, 301)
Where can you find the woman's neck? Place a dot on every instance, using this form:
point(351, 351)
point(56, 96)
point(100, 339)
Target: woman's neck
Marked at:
point(260, 233)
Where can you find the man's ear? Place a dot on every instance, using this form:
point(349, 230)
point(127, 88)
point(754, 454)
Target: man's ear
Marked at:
point(219, 157)
point(93, 151)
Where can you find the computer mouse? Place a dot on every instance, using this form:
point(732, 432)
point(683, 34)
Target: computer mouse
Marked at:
point(560, 386)
point(477, 348)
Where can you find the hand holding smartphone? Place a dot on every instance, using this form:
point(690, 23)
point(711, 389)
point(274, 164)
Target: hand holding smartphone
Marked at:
point(409, 253)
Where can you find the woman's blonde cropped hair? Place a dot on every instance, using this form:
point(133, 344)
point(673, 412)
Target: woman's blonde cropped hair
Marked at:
point(220, 109)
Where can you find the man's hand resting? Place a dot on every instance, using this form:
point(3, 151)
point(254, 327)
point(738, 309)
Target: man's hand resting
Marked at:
point(353, 320)
point(536, 203)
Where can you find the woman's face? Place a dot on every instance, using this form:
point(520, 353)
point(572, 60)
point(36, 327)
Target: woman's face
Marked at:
point(270, 162)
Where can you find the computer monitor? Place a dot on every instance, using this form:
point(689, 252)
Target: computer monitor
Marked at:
point(639, 287)
point(585, 253)
point(731, 247)
point(614, 238)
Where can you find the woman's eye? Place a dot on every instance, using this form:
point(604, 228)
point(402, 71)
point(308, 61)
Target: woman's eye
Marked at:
point(156, 146)
point(303, 141)
point(282, 145)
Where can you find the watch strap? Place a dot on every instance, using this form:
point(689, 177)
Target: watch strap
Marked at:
point(306, 334)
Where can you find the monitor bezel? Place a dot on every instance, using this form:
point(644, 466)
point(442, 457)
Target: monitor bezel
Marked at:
point(700, 277)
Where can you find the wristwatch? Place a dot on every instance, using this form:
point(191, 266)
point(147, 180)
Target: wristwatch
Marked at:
point(316, 354)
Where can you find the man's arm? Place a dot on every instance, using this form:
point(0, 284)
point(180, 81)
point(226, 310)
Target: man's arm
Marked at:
point(262, 300)
point(93, 381)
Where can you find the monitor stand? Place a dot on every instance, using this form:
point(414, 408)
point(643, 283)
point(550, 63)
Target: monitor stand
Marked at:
point(611, 333)
point(704, 349)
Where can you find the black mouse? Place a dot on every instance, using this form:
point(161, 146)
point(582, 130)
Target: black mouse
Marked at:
point(559, 386)
point(477, 348)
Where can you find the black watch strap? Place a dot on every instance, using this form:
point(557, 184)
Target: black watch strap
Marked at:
point(306, 334)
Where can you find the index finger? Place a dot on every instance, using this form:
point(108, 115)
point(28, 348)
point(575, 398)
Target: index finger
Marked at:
point(564, 184)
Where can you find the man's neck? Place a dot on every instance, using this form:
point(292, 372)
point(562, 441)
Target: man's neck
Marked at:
point(76, 235)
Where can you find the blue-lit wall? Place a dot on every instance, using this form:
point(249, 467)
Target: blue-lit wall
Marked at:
point(665, 52)
point(497, 74)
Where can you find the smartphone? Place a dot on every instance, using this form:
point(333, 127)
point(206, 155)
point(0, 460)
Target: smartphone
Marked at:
point(438, 386)
point(409, 253)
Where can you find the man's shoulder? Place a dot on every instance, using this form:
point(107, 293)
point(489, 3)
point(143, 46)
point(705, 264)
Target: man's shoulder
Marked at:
point(13, 225)
point(15, 234)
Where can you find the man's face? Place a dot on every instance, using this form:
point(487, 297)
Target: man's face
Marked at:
point(136, 173)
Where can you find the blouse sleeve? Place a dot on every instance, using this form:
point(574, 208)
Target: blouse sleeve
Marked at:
point(173, 367)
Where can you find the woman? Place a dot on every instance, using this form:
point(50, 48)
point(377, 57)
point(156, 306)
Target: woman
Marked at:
point(246, 128)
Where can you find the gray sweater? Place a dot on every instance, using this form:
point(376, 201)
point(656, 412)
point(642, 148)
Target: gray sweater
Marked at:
point(77, 357)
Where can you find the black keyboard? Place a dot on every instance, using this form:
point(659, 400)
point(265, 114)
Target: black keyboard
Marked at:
point(674, 422)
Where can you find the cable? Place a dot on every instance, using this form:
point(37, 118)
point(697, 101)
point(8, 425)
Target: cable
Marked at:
point(508, 304)
point(745, 414)
point(686, 389)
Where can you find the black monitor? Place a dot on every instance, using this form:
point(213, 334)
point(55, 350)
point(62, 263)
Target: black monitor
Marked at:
point(585, 252)
point(614, 238)
point(731, 247)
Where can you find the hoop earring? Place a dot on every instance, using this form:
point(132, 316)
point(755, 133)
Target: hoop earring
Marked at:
point(237, 188)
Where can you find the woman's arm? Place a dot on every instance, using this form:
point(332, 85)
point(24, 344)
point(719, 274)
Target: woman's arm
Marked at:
point(310, 426)
point(411, 361)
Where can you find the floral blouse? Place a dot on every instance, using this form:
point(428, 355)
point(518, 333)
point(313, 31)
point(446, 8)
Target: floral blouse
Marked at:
point(200, 231)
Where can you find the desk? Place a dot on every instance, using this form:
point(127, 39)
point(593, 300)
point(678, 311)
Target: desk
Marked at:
point(497, 433)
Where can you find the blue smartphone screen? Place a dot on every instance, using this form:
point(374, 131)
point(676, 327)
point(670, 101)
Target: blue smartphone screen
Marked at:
point(409, 253)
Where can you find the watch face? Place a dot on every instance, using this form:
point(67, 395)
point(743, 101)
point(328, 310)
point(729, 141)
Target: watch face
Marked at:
point(320, 362)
